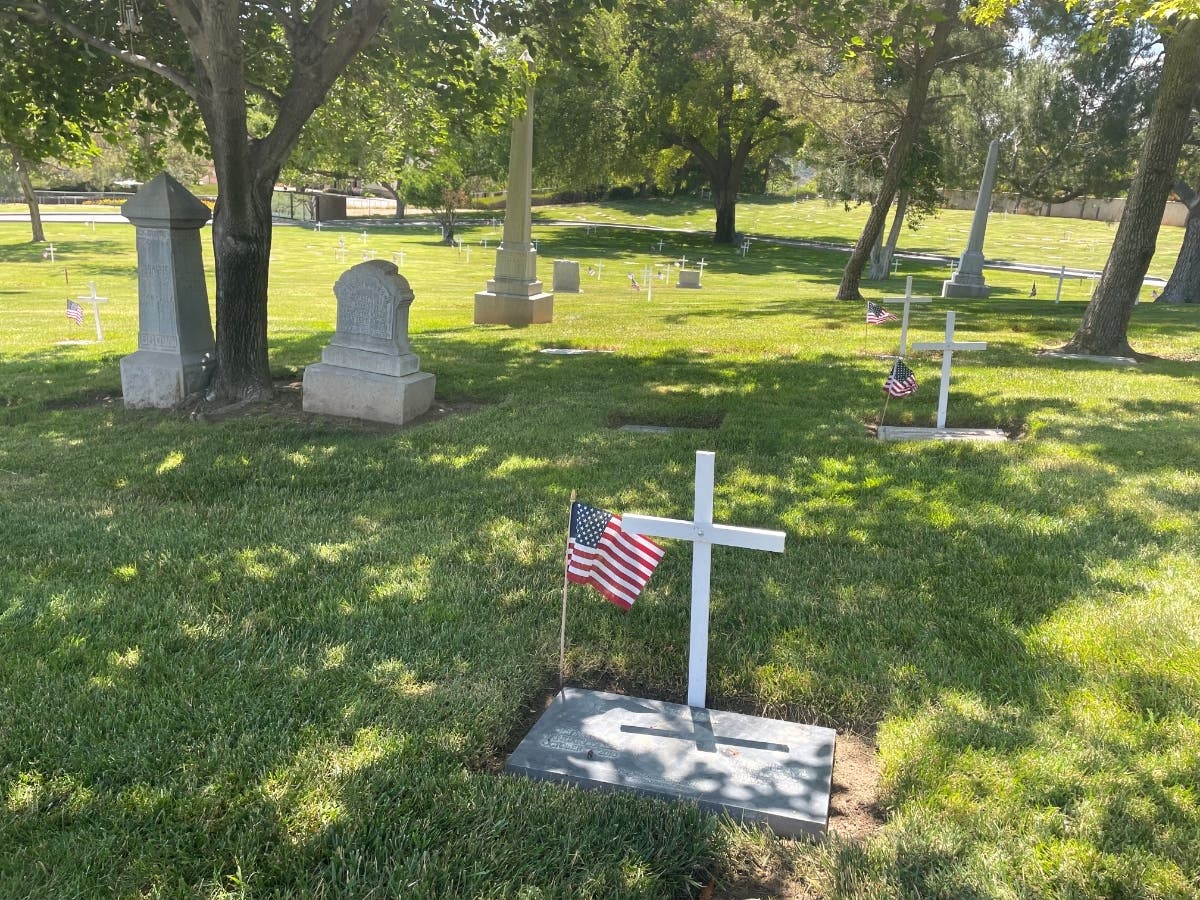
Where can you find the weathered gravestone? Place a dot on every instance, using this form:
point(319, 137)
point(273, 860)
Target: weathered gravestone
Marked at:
point(175, 336)
point(755, 769)
point(689, 278)
point(369, 371)
point(566, 276)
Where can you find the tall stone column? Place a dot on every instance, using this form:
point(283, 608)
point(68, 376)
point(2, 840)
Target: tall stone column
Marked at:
point(968, 280)
point(174, 328)
point(514, 296)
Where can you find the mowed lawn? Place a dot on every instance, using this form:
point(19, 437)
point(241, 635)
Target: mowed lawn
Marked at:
point(269, 655)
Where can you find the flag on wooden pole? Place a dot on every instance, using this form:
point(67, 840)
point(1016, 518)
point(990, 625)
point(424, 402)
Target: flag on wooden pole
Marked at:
point(901, 381)
point(614, 562)
point(877, 314)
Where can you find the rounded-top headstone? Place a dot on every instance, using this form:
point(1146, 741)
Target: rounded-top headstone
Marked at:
point(375, 277)
point(165, 203)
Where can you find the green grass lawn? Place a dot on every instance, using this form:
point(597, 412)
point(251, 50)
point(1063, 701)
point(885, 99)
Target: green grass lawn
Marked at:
point(278, 656)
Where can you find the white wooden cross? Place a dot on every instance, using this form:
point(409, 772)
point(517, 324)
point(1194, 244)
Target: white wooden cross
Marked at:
point(683, 263)
point(364, 237)
point(95, 301)
point(745, 248)
point(703, 534)
point(49, 250)
point(906, 300)
point(317, 226)
point(701, 269)
point(948, 346)
point(660, 245)
point(398, 258)
point(599, 270)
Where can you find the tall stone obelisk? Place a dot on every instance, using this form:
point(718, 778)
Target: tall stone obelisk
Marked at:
point(968, 280)
point(514, 296)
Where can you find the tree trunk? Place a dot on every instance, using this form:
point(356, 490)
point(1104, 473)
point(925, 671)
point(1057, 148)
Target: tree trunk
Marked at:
point(395, 192)
point(242, 250)
point(1184, 284)
point(906, 137)
point(881, 262)
point(725, 203)
point(1105, 326)
point(31, 200)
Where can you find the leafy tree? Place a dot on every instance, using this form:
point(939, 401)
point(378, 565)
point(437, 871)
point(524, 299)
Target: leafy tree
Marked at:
point(54, 101)
point(256, 72)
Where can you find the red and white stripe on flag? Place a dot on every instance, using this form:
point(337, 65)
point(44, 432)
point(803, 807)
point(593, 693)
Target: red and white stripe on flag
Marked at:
point(614, 562)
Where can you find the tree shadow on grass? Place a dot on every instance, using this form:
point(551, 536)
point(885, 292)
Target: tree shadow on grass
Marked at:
point(330, 626)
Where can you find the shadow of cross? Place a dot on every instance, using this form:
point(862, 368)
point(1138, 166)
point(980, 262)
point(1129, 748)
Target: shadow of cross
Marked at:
point(702, 733)
point(703, 533)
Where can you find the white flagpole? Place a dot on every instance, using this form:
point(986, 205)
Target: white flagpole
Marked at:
point(562, 628)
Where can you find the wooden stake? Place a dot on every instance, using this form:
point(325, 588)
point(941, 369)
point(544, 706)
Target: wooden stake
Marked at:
point(562, 628)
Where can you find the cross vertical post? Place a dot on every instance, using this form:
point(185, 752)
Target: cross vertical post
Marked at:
point(703, 534)
point(948, 346)
point(907, 299)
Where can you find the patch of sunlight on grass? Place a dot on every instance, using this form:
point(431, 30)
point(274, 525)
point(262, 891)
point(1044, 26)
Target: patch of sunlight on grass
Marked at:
point(395, 676)
point(31, 793)
point(127, 572)
point(515, 463)
point(266, 563)
point(130, 659)
point(171, 461)
point(508, 536)
point(331, 553)
point(334, 657)
point(308, 792)
point(406, 582)
point(298, 459)
point(459, 460)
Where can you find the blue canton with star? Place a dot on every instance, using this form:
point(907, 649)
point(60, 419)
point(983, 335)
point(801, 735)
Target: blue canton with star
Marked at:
point(587, 524)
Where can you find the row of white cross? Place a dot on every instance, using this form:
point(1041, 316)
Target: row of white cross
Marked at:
point(947, 346)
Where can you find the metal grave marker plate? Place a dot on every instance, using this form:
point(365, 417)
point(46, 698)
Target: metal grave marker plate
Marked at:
point(757, 770)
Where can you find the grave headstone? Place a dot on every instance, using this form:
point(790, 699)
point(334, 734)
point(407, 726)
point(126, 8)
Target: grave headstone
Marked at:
point(175, 336)
point(756, 769)
point(368, 370)
point(514, 295)
point(941, 433)
point(688, 278)
point(566, 276)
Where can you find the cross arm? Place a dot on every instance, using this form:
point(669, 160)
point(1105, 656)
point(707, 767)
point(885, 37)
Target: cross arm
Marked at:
point(725, 535)
point(953, 345)
point(654, 526)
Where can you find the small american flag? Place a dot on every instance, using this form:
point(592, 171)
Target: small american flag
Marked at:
point(901, 382)
point(614, 562)
point(74, 312)
point(877, 314)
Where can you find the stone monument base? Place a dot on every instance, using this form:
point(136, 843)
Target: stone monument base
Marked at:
point(338, 391)
point(152, 379)
point(1087, 357)
point(968, 286)
point(506, 309)
point(757, 770)
point(906, 433)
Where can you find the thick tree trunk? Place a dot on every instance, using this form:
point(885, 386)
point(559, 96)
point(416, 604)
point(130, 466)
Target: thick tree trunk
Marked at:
point(394, 191)
point(1105, 326)
point(725, 203)
point(242, 250)
point(1184, 284)
point(881, 261)
point(906, 137)
point(31, 200)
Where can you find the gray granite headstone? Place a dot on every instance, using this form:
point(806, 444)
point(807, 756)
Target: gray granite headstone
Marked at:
point(757, 770)
point(689, 278)
point(566, 276)
point(175, 336)
point(368, 370)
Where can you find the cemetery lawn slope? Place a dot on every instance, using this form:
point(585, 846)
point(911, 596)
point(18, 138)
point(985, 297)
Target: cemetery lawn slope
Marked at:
point(276, 655)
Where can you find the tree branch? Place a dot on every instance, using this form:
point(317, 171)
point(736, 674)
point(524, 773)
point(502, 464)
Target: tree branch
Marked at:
point(40, 13)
